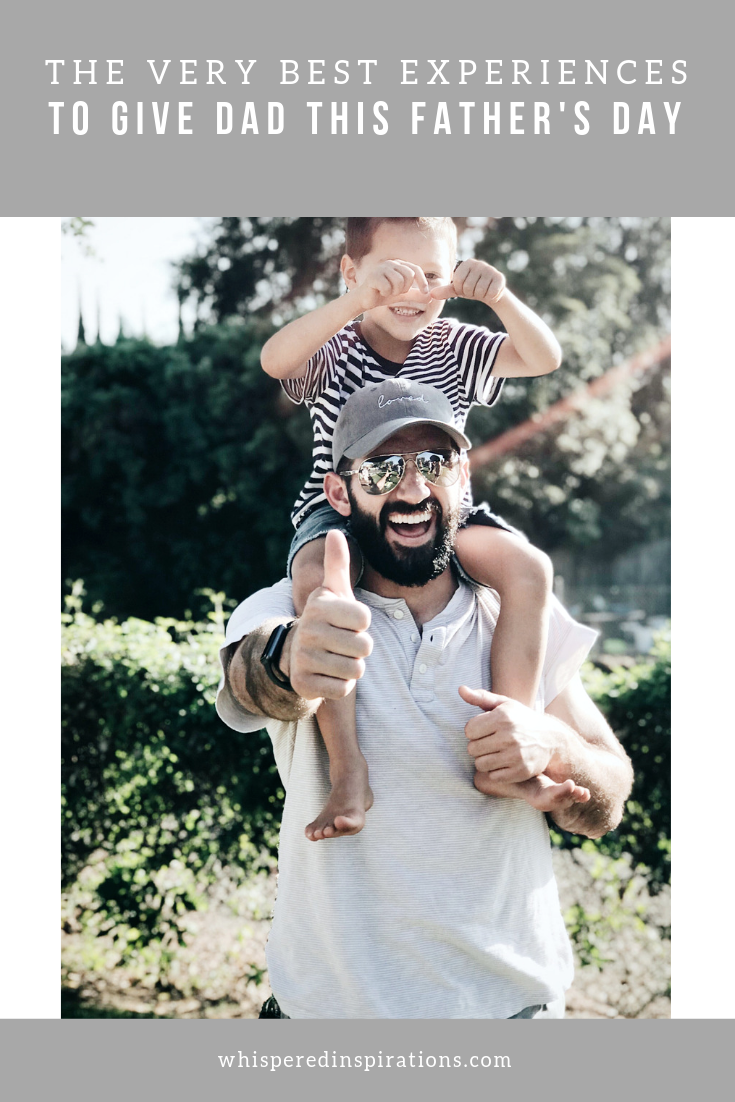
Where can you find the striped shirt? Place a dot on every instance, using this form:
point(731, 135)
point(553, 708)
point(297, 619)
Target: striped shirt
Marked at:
point(455, 358)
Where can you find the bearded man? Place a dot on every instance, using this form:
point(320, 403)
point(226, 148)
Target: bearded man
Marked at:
point(445, 905)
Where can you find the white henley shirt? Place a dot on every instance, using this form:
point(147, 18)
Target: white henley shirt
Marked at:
point(445, 905)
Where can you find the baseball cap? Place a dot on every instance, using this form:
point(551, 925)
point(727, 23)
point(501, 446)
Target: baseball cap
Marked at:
point(375, 412)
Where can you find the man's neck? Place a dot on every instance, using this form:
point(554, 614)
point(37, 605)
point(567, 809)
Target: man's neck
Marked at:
point(424, 601)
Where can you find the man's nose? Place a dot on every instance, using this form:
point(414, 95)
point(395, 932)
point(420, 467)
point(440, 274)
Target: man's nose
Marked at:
point(413, 487)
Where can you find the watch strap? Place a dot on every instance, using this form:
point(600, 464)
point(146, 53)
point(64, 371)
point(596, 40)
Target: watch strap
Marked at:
point(272, 654)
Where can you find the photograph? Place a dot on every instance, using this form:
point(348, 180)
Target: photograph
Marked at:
point(366, 609)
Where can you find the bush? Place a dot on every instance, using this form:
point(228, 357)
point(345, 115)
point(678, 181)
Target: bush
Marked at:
point(178, 464)
point(158, 795)
point(637, 704)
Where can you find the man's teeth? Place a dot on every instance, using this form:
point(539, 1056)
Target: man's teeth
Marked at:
point(410, 518)
point(406, 311)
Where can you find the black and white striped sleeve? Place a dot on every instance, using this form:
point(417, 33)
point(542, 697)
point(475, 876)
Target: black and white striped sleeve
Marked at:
point(320, 371)
point(475, 349)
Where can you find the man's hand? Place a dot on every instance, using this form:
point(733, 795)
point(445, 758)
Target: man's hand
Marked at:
point(508, 739)
point(571, 739)
point(326, 650)
point(474, 279)
point(390, 282)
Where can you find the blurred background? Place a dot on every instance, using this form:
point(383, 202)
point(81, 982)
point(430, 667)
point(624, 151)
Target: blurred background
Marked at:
point(181, 460)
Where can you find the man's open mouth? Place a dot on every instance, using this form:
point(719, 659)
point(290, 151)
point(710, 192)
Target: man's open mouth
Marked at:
point(411, 526)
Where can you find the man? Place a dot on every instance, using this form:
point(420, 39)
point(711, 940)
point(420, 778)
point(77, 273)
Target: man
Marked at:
point(445, 905)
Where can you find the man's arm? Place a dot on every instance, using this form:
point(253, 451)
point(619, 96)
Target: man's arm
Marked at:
point(250, 685)
point(590, 753)
point(570, 739)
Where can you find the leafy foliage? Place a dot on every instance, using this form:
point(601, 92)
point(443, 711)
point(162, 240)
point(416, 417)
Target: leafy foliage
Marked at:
point(262, 265)
point(179, 467)
point(637, 704)
point(157, 794)
point(601, 478)
point(592, 931)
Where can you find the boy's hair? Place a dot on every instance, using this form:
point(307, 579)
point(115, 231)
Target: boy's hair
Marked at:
point(360, 232)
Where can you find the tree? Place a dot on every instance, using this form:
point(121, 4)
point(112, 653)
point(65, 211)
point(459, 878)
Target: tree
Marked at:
point(602, 478)
point(179, 466)
point(262, 267)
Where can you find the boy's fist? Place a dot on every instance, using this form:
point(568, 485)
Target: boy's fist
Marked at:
point(389, 282)
point(474, 279)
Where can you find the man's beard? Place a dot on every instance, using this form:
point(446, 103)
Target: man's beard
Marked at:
point(407, 566)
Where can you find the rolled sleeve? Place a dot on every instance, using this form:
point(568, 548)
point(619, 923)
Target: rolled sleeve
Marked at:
point(319, 373)
point(476, 350)
point(568, 646)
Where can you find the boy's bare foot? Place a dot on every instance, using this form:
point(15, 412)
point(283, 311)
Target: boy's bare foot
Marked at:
point(540, 792)
point(344, 812)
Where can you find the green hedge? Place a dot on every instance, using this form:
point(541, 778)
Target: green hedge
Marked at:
point(178, 463)
point(158, 794)
point(637, 704)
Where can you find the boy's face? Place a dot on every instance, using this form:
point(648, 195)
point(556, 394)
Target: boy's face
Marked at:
point(432, 252)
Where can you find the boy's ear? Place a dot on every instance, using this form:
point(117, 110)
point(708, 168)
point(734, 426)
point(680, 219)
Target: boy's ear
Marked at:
point(336, 493)
point(349, 271)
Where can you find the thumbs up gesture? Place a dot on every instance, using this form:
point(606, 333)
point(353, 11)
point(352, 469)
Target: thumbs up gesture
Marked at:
point(330, 641)
point(337, 566)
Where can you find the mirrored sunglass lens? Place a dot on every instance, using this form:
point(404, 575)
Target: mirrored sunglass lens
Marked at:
point(436, 468)
point(380, 476)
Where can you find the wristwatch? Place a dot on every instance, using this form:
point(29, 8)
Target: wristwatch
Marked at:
point(272, 655)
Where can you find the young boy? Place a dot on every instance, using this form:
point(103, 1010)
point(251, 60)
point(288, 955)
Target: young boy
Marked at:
point(399, 272)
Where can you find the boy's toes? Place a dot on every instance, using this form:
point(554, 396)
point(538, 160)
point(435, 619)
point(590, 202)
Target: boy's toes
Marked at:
point(314, 831)
point(350, 823)
point(344, 812)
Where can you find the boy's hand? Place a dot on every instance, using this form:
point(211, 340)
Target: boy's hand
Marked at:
point(474, 279)
point(390, 282)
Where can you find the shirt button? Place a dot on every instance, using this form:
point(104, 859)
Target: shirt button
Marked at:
point(414, 636)
point(398, 614)
point(422, 667)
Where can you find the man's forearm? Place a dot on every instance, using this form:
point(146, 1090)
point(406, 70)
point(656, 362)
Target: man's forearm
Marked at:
point(253, 689)
point(588, 752)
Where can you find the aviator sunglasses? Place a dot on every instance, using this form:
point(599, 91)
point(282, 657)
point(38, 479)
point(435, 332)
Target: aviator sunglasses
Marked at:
point(382, 473)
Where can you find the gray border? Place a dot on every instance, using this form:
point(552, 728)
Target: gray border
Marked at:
point(687, 173)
